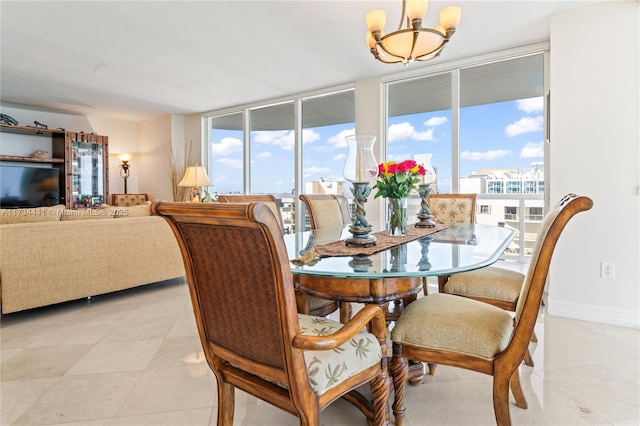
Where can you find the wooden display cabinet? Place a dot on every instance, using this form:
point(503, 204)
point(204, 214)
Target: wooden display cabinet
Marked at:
point(88, 169)
point(80, 158)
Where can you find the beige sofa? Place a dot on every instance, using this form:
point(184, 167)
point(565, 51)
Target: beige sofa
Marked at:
point(53, 255)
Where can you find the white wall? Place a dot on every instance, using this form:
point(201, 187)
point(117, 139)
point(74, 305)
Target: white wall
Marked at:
point(595, 139)
point(158, 137)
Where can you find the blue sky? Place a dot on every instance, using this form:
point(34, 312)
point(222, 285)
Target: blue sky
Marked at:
point(499, 135)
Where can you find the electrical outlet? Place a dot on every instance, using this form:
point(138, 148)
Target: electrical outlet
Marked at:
point(608, 270)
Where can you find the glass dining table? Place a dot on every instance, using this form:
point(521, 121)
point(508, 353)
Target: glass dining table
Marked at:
point(393, 273)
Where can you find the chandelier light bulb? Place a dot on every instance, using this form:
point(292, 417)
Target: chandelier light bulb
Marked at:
point(414, 42)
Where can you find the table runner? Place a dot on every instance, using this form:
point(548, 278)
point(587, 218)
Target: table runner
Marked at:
point(385, 241)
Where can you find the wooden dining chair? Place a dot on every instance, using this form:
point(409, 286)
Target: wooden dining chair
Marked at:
point(326, 210)
point(270, 200)
point(466, 333)
point(452, 208)
point(251, 333)
point(309, 304)
point(494, 285)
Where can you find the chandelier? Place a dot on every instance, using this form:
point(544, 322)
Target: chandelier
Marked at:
point(413, 43)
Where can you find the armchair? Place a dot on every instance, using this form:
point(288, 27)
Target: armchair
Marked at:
point(252, 336)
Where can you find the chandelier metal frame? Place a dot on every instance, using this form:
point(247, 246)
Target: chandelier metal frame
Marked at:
point(380, 44)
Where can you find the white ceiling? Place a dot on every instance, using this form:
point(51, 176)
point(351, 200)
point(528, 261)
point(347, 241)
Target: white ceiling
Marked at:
point(137, 60)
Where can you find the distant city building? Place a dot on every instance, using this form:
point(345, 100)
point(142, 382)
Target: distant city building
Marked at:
point(325, 187)
point(505, 181)
point(508, 212)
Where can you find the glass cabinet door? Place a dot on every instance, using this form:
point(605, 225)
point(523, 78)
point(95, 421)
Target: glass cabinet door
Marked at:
point(88, 174)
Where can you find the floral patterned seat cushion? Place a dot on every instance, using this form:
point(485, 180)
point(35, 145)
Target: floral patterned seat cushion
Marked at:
point(326, 369)
point(451, 210)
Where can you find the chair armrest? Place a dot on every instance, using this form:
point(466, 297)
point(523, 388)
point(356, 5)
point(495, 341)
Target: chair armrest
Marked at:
point(369, 314)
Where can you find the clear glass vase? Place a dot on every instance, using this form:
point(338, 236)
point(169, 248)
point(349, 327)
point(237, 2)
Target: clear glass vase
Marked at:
point(397, 216)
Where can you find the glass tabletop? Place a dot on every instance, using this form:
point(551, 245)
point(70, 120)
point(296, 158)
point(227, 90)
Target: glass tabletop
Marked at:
point(459, 248)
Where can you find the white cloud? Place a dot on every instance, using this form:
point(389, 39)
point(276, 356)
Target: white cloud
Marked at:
point(532, 150)
point(487, 155)
point(308, 171)
point(524, 125)
point(226, 146)
point(281, 138)
point(339, 141)
point(402, 131)
point(234, 164)
point(436, 121)
point(531, 105)
point(339, 157)
point(309, 136)
point(398, 157)
point(266, 154)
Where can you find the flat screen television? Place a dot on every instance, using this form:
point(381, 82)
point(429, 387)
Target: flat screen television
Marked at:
point(29, 186)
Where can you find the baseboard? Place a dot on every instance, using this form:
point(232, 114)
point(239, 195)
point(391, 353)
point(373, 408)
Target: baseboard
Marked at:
point(595, 314)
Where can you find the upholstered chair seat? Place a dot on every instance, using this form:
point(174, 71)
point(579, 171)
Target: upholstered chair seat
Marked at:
point(327, 369)
point(487, 283)
point(435, 321)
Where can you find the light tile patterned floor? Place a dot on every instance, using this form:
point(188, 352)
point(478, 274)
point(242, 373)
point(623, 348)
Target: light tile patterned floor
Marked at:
point(134, 358)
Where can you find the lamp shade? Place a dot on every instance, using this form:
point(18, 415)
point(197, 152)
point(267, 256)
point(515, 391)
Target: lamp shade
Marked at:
point(124, 157)
point(195, 176)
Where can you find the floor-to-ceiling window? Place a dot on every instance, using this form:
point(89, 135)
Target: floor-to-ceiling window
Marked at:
point(226, 167)
point(419, 121)
point(326, 120)
point(502, 143)
point(483, 123)
point(285, 149)
point(491, 145)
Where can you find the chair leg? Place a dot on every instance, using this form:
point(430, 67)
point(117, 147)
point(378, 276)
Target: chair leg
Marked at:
point(442, 280)
point(399, 370)
point(534, 338)
point(345, 312)
point(527, 358)
point(501, 399)
point(226, 403)
point(425, 290)
point(380, 387)
point(309, 418)
point(516, 390)
point(432, 368)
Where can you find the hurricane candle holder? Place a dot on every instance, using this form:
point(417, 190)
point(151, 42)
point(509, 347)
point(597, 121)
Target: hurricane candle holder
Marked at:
point(425, 217)
point(360, 169)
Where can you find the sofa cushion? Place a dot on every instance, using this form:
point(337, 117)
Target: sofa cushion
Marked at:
point(133, 211)
point(31, 215)
point(102, 212)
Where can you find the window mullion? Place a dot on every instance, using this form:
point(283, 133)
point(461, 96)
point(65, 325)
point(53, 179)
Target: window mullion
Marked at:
point(455, 131)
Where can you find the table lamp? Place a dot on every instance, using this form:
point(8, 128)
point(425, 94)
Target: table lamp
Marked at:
point(195, 177)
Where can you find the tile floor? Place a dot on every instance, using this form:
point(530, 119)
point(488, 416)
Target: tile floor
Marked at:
point(134, 358)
